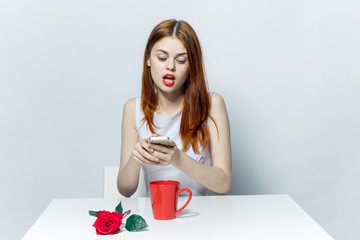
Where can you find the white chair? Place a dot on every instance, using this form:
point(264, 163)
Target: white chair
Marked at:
point(110, 184)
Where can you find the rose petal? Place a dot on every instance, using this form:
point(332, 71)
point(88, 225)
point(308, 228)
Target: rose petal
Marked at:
point(108, 223)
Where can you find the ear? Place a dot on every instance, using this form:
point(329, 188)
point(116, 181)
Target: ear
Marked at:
point(148, 62)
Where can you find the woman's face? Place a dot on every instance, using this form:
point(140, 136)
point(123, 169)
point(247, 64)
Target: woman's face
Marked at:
point(168, 64)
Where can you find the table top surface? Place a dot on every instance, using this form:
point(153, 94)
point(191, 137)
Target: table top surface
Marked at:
point(209, 217)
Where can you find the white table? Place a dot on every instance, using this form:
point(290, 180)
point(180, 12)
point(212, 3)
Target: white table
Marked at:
point(262, 217)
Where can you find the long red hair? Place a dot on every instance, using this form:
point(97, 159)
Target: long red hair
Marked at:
point(194, 129)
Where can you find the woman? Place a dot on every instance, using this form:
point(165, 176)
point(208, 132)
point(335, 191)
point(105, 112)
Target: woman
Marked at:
point(175, 103)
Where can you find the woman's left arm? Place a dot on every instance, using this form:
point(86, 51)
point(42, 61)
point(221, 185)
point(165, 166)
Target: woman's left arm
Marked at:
point(218, 177)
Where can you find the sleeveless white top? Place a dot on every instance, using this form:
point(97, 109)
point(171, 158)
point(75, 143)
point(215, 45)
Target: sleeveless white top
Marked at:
point(169, 126)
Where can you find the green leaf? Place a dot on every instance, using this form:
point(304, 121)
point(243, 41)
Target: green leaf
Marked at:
point(119, 208)
point(135, 223)
point(93, 213)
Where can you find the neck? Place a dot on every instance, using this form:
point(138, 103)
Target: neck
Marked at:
point(169, 103)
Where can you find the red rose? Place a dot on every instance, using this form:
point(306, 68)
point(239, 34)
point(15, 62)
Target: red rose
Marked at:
point(107, 222)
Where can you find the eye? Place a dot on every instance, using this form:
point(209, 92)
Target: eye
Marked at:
point(181, 61)
point(161, 59)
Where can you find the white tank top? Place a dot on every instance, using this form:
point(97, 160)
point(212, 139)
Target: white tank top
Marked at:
point(169, 126)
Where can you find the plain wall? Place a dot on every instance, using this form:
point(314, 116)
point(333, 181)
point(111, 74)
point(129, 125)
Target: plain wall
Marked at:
point(288, 71)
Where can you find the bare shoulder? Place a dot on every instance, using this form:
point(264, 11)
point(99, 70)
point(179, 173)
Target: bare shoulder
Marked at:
point(218, 111)
point(219, 124)
point(129, 118)
point(129, 106)
point(217, 102)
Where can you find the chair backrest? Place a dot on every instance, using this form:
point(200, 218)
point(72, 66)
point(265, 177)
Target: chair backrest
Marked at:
point(110, 184)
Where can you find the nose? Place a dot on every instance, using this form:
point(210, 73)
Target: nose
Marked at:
point(171, 66)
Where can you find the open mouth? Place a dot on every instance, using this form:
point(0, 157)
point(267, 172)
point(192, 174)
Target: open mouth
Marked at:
point(169, 79)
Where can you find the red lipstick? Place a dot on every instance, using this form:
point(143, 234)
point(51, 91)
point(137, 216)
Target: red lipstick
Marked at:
point(168, 79)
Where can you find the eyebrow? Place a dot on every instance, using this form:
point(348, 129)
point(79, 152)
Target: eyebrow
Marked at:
point(163, 51)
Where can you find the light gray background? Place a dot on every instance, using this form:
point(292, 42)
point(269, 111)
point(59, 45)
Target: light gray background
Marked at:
point(288, 71)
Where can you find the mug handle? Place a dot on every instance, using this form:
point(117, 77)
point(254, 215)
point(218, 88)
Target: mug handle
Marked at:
point(190, 195)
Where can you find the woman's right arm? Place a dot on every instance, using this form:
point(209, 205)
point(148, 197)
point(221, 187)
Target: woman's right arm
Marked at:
point(134, 153)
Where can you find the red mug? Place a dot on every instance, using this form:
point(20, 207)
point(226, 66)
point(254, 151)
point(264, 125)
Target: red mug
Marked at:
point(164, 197)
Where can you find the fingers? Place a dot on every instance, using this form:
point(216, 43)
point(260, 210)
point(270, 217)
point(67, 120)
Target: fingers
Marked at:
point(141, 153)
point(160, 148)
point(164, 159)
point(145, 144)
point(142, 160)
point(163, 153)
point(154, 154)
point(172, 144)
